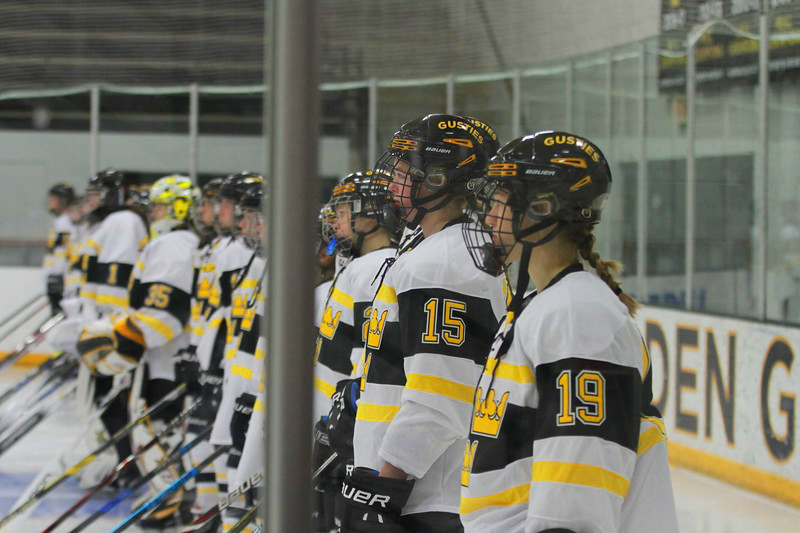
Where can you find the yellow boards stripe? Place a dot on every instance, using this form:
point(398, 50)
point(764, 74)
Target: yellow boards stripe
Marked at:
point(241, 371)
point(371, 412)
point(386, 294)
point(325, 388)
point(512, 496)
point(440, 386)
point(343, 298)
point(517, 373)
point(578, 474)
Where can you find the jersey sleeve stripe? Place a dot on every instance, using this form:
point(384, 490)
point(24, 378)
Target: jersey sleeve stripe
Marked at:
point(154, 323)
point(650, 438)
point(215, 323)
point(325, 388)
point(342, 297)
point(578, 474)
point(140, 265)
point(512, 496)
point(260, 354)
point(94, 245)
point(241, 371)
point(258, 406)
point(106, 299)
point(370, 412)
point(386, 294)
point(441, 387)
point(516, 373)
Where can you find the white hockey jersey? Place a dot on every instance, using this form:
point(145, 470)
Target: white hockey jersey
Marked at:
point(230, 258)
point(205, 282)
point(341, 337)
point(159, 298)
point(429, 331)
point(563, 434)
point(108, 259)
point(61, 235)
point(244, 353)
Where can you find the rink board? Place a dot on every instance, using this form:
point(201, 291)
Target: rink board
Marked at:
point(728, 391)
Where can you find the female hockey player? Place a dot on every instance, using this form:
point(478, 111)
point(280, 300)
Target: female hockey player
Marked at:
point(370, 242)
point(564, 438)
point(153, 329)
point(428, 332)
point(59, 199)
point(245, 349)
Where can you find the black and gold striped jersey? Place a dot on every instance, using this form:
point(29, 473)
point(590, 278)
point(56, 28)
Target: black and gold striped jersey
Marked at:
point(429, 330)
point(563, 434)
point(341, 336)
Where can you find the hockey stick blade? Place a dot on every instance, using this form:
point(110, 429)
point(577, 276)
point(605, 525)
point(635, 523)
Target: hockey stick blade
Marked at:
point(119, 435)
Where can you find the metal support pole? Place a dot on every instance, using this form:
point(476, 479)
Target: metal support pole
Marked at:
point(516, 105)
point(194, 130)
point(762, 165)
point(691, 127)
point(372, 126)
point(94, 129)
point(608, 128)
point(294, 168)
point(451, 94)
point(570, 97)
point(641, 179)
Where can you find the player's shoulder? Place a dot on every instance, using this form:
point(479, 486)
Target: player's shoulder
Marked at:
point(63, 224)
point(443, 261)
point(175, 242)
point(578, 315)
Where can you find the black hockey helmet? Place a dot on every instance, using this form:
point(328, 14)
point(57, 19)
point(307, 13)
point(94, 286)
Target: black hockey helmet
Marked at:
point(235, 185)
point(548, 178)
point(444, 153)
point(252, 194)
point(367, 195)
point(113, 185)
point(64, 192)
point(212, 187)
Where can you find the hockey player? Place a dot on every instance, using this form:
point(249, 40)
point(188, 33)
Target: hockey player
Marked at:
point(370, 242)
point(233, 259)
point(187, 363)
point(60, 197)
point(428, 333)
point(244, 353)
point(326, 261)
point(564, 437)
point(107, 260)
point(153, 330)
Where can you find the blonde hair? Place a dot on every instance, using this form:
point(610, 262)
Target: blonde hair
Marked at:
point(581, 235)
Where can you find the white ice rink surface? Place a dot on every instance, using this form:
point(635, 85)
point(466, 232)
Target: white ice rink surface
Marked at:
point(704, 505)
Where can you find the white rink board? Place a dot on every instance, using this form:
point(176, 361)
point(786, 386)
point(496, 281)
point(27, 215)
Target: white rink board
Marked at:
point(728, 396)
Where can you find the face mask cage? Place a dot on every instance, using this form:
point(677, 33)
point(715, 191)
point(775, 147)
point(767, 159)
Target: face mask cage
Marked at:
point(339, 229)
point(253, 221)
point(405, 179)
point(490, 237)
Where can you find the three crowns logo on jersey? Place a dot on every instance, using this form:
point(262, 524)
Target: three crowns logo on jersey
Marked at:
point(375, 329)
point(329, 323)
point(488, 415)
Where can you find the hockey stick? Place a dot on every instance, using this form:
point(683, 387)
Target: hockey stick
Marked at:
point(22, 321)
point(248, 517)
point(124, 464)
point(200, 523)
point(59, 464)
point(31, 340)
point(174, 456)
point(30, 377)
point(119, 435)
point(162, 496)
point(26, 423)
point(22, 308)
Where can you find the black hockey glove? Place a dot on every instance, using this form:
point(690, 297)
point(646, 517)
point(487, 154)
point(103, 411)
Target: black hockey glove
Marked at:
point(55, 291)
point(372, 504)
point(240, 420)
point(342, 417)
point(187, 369)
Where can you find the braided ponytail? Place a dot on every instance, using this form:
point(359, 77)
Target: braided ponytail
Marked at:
point(582, 236)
